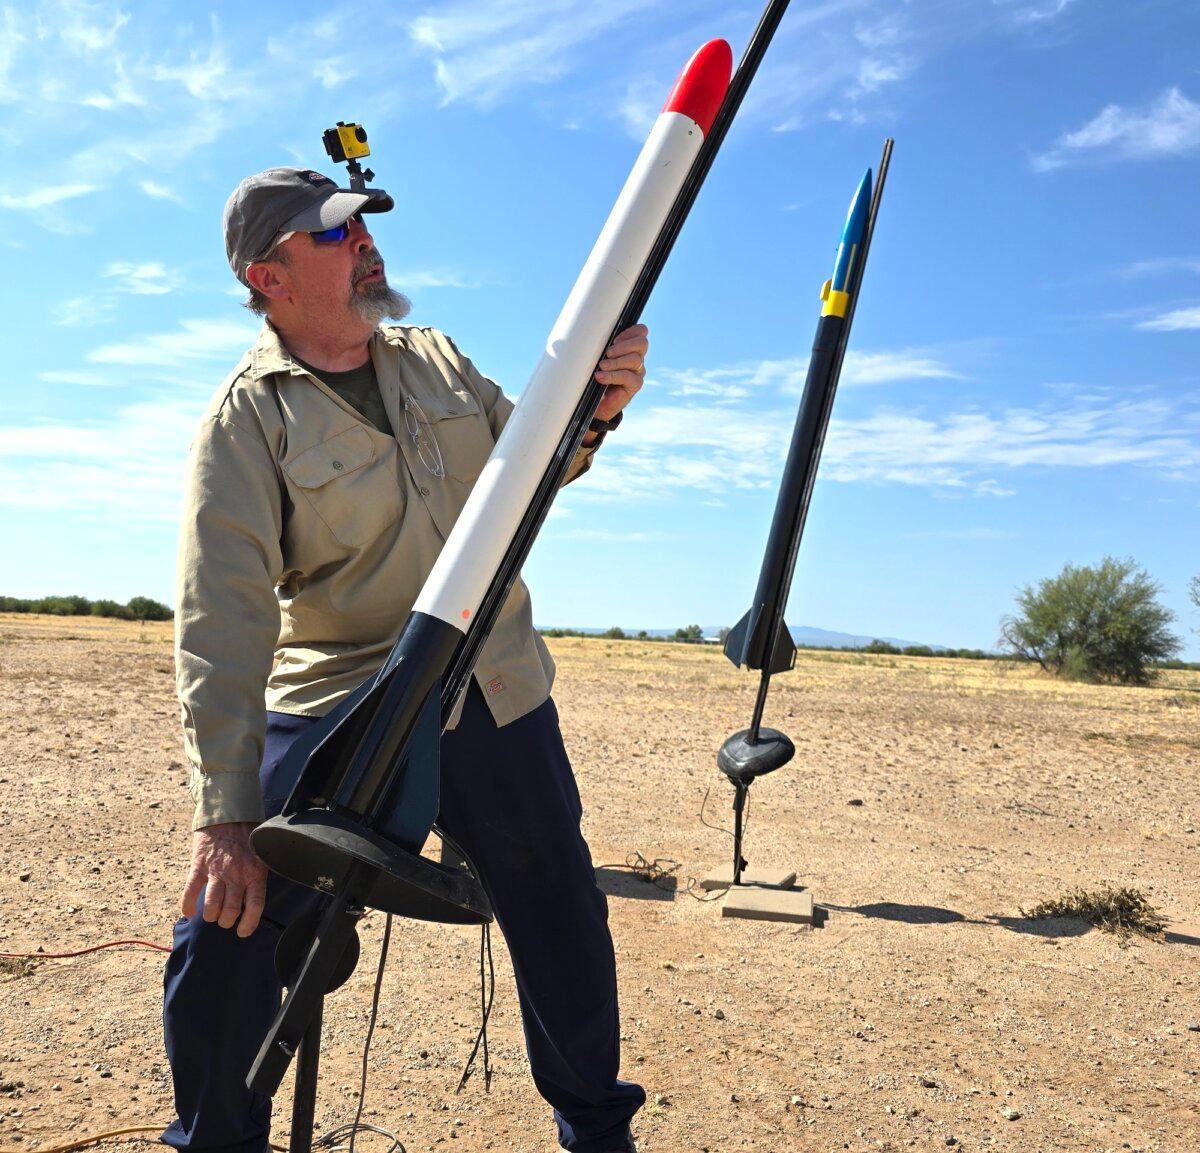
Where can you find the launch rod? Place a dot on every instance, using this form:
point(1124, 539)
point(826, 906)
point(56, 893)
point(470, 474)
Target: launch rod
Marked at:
point(839, 354)
point(459, 674)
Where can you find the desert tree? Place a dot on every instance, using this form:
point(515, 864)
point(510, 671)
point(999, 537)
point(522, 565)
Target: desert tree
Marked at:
point(1095, 623)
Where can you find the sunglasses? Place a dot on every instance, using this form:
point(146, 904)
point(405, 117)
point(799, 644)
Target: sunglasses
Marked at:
point(323, 236)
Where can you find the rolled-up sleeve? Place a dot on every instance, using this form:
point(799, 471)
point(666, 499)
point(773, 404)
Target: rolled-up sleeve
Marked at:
point(499, 408)
point(227, 617)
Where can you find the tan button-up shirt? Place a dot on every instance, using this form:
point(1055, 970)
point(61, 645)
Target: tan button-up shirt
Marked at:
point(306, 536)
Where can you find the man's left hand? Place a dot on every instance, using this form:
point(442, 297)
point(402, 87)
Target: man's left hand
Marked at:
point(622, 372)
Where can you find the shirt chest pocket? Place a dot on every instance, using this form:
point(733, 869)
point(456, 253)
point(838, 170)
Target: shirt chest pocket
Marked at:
point(350, 484)
point(452, 428)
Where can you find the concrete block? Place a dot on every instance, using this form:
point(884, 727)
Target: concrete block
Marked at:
point(758, 904)
point(722, 878)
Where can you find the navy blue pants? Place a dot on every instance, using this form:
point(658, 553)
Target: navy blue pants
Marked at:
point(509, 799)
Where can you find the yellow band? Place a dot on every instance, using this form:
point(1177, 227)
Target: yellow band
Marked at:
point(836, 302)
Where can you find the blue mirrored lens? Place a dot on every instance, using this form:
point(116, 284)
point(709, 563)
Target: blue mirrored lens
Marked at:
point(332, 235)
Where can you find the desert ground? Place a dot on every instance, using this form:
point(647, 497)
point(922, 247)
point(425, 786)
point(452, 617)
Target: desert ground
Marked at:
point(930, 801)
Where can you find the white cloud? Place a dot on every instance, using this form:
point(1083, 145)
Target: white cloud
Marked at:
point(123, 93)
point(431, 278)
point(1162, 265)
point(1178, 320)
point(46, 197)
point(85, 27)
point(158, 191)
point(481, 51)
point(333, 72)
point(130, 466)
point(727, 437)
point(1034, 14)
point(1168, 127)
point(194, 340)
point(85, 311)
point(147, 279)
point(86, 379)
point(737, 382)
point(966, 450)
point(889, 367)
point(207, 76)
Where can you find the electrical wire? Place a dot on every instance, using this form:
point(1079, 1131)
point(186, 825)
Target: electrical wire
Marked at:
point(39, 956)
point(330, 1140)
point(485, 1003)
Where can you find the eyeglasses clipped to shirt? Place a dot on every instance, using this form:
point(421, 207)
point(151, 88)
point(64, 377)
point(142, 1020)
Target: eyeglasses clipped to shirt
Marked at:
point(424, 441)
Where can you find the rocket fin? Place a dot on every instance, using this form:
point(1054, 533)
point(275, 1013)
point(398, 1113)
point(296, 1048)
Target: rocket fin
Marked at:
point(315, 763)
point(783, 655)
point(735, 642)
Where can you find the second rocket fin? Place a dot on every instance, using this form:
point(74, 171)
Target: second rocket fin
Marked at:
point(747, 643)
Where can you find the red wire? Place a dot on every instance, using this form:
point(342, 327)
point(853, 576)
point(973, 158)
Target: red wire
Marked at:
point(90, 949)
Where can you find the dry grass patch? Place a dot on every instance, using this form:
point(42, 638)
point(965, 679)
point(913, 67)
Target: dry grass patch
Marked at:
point(1124, 912)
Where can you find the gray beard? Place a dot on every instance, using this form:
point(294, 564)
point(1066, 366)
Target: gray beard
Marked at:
point(379, 302)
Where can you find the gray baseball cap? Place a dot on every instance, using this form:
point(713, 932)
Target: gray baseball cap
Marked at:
point(288, 200)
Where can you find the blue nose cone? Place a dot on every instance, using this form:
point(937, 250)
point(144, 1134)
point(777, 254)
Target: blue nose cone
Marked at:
point(850, 246)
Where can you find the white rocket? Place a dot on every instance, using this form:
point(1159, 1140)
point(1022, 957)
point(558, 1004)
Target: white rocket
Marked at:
point(505, 488)
point(371, 767)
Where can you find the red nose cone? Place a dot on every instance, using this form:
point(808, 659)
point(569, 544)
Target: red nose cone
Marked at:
point(701, 85)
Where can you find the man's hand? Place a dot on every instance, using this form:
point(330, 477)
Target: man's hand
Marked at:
point(231, 875)
point(622, 370)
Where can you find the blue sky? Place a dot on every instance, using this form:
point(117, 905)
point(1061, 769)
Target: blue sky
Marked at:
point(1021, 389)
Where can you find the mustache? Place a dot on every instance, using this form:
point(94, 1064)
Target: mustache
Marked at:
point(368, 263)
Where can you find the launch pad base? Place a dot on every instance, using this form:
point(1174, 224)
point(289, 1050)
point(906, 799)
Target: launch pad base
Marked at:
point(722, 878)
point(318, 848)
point(762, 903)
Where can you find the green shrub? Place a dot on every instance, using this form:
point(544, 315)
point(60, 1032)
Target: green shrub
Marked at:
point(1101, 623)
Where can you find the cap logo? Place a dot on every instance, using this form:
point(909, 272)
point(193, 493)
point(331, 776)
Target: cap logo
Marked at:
point(315, 177)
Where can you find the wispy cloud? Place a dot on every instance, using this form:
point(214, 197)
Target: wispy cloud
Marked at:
point(84, 378)
point(207, 74)
point(87, 27)
point(194, 340)
point(737, 382)
point(1162, 265)
point(47, 197)
point(1178, 320)
point(1037, 13)
point(431, 278)
point(158, 191)
point(727, 436)
point(85, 311)
point(130, 464)
point(147, 279)
point(123, 92)
point(477, 48)
point(1170, 126)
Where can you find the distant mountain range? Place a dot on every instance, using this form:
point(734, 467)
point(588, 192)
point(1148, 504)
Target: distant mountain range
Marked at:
point(804, 635)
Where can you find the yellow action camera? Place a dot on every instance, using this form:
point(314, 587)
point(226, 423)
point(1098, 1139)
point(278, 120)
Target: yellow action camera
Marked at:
point(346, 142)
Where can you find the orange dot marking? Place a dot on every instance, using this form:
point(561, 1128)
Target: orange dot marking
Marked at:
point(466, 613)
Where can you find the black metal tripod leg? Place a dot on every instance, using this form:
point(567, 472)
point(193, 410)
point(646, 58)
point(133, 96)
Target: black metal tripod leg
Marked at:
point(305, 997)
point(739, 805)
point(304, 1103)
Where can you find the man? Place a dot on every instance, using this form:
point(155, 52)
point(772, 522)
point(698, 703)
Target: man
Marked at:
point(323, 481)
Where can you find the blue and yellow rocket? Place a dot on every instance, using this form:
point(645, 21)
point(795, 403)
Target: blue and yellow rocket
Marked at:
point(761, 639)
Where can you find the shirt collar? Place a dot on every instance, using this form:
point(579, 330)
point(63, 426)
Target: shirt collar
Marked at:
point(269, 354)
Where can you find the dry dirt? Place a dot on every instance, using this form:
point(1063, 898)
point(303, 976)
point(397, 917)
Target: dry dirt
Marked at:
point(924, 1014)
